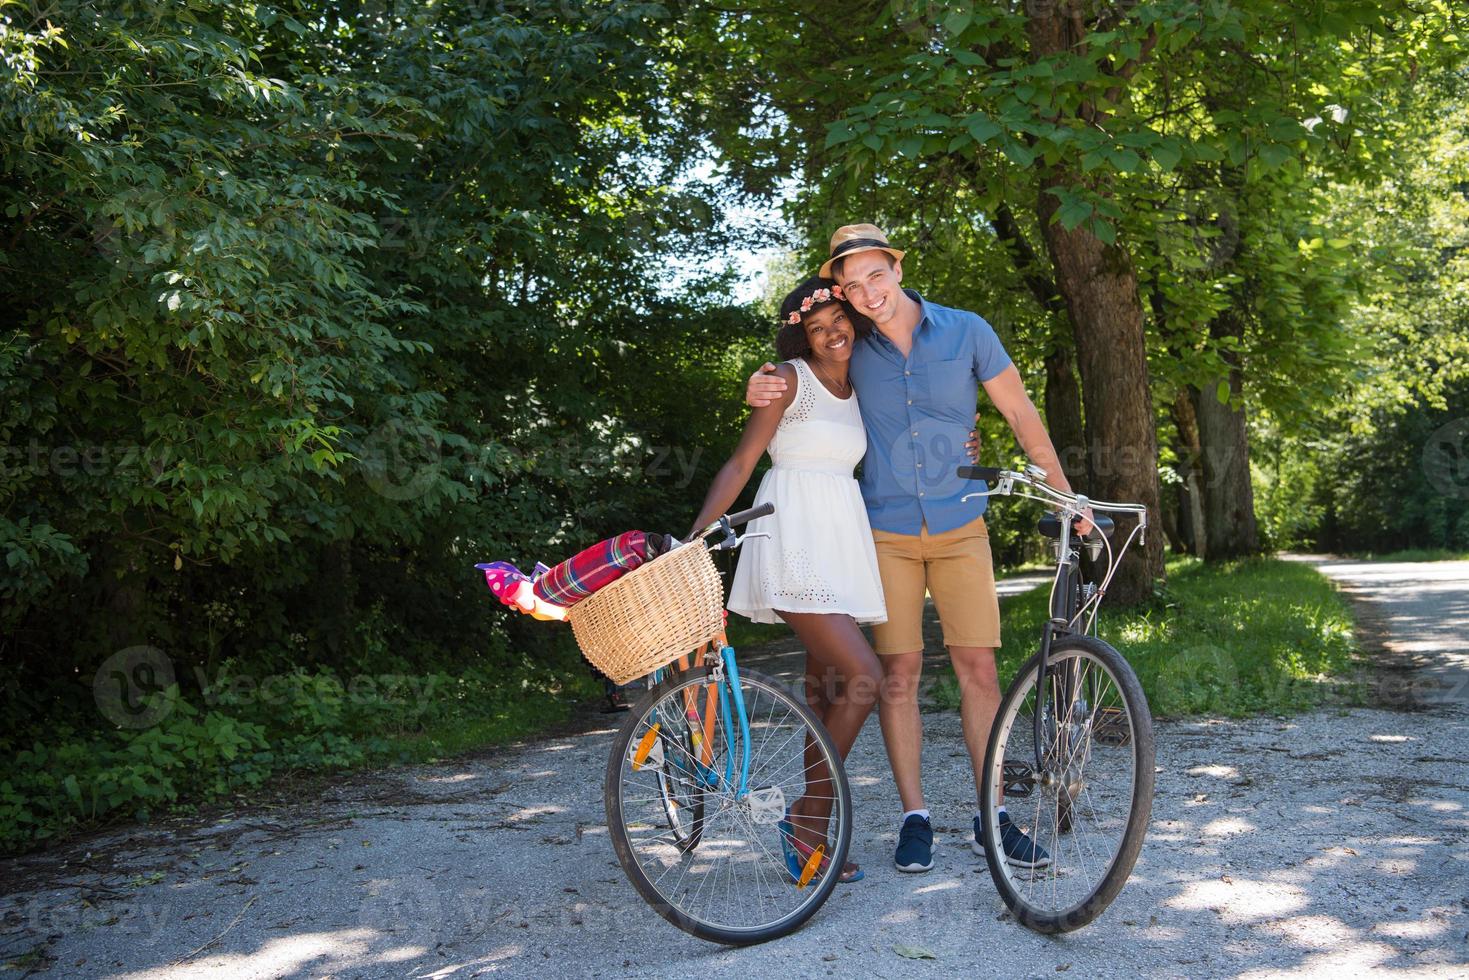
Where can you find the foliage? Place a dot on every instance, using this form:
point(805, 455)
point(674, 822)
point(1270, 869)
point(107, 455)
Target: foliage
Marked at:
point(1378, 464)
point(246, 730)
point(309, 319)
point(310, 306)
point(1232, 639)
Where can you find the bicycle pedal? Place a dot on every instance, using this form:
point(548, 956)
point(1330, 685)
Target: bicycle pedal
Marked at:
point(767, 805)
point(1019, 779)
point(1111, 728)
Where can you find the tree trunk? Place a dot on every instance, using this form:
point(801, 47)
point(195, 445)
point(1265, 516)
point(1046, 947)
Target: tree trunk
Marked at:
point(1099, 284)
point(1063, 396)
point(1100, 288)
point(1063, 415)
point(1229, 496)
point(1190, 492)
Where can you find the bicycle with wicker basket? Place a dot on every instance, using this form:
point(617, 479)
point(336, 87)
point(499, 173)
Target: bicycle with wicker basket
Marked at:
point(702, 772)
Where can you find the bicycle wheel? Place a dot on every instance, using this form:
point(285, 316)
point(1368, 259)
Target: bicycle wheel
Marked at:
point(679, 781)
point(734, 887)
point(1097, 753)
point(1065, 601)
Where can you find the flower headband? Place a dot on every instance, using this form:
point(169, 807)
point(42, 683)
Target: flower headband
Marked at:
point(822, 295)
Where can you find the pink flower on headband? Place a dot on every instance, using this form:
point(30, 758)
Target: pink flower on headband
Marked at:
point(819, 296)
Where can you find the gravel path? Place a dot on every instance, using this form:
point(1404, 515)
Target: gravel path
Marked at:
point(1332, 843)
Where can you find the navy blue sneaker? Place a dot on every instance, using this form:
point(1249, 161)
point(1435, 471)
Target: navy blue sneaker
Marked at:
point(915, 845)
point(1020, 850)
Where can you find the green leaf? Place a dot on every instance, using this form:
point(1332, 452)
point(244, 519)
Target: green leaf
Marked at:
point(1221, 392)
point(1020, 154)
point(914, 952)
point(1126, 161)
point(981, 127)
point(838, 133)
point(1167, 156)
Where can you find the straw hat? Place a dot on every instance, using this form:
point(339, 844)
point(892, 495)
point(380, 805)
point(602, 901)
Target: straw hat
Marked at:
point(851, 239)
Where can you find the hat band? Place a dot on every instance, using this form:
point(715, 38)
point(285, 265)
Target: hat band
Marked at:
point(852, 244)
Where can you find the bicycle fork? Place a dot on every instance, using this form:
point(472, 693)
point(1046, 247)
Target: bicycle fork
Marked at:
point(1052, 721)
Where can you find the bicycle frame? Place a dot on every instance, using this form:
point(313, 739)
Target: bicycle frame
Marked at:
point(722, 694)
point(1071, 506)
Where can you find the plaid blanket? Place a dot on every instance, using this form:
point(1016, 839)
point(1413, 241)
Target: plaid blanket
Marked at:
point(592, 568)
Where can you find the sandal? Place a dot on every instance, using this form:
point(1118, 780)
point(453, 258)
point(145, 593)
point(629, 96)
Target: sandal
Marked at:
point(797, 854)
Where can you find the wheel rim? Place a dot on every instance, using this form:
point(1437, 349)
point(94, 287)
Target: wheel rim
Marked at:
point(1080, 805)
point(735, 879)
point(678, 783)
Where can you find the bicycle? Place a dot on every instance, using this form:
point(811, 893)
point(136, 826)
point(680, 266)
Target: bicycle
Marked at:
point(1073, 737)
point(699, 781)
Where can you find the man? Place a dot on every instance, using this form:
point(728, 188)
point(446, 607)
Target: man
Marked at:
point(916, 378)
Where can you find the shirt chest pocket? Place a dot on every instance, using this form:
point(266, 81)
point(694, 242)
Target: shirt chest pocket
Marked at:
point(951, 389)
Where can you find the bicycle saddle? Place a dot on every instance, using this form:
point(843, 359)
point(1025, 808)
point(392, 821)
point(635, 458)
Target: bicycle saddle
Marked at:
point(1050, 524)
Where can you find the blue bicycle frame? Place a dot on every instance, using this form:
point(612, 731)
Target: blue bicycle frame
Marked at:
point(733, 716)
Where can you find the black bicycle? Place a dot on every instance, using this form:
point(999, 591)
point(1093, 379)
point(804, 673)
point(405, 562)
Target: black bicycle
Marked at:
point(1071, 752)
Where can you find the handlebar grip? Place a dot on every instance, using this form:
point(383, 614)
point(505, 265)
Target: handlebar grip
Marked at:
point(989, 474)
point(744, 516)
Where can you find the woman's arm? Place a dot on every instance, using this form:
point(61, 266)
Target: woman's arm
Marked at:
point(735, 473)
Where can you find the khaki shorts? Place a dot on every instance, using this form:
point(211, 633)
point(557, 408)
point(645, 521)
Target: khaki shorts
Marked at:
point(956, 569)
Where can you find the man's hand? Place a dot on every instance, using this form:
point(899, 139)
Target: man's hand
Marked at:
point(764, 386)
point(972, 446)
point(1085, 525)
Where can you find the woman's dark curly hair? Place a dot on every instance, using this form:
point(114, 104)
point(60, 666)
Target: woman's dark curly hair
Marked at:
point(790, 339)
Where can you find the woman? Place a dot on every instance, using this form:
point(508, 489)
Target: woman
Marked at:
point(817, 570)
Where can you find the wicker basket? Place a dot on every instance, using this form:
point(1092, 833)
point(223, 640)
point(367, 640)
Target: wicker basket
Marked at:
point(653, 615)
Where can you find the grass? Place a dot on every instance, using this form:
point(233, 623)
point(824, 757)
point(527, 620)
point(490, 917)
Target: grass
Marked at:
point(508, 722)
point(1241, 638)
point(742, 633)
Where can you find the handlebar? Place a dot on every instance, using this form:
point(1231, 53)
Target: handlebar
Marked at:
point(745, 516)
point(1032, 484)
point(1004, 482)
point(724, 527)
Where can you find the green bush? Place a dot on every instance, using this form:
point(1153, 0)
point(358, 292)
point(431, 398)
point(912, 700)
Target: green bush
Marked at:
point(240, 733)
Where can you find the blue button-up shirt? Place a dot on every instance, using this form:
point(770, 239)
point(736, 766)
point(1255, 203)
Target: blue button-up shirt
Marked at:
point(918, 411)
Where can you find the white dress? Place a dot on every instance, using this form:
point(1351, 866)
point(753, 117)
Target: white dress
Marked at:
point(819, 557)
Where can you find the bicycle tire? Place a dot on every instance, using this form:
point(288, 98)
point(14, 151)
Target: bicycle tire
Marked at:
point(1008, 722)
point(688, 829)
point(721, 801)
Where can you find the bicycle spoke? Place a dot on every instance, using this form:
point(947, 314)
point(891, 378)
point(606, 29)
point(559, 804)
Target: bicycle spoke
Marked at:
point(1081, 800)
point(736, 876)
